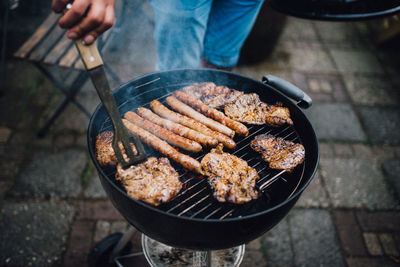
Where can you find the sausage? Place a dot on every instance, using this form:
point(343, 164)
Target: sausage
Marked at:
point(163, 133)
point(177, 128)
point(163, 111)
point(188, 111)
point(163, 147)
point(211, 112)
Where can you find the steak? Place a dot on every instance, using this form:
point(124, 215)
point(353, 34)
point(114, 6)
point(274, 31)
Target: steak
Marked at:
point(105, 154)
point(154, 181)
point(250, 109)
point(231, 178)
point(212, 95)
point(280, 154)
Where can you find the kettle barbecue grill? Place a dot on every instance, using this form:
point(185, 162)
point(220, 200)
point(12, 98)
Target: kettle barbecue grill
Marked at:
point(194, 219)
point(194, 223)
point(337, 10)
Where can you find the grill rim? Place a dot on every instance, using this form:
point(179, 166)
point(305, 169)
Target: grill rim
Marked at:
point(296, 194)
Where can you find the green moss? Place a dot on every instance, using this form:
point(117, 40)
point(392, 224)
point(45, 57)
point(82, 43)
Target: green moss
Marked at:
point(87, 173)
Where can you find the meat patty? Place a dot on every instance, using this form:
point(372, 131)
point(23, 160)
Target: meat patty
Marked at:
point(230, 177)
point(280, 154)
point(277, 115)
point(251, 110)
point(248, 109)
point(105, 154)
point(154, 181)
point(212, 95)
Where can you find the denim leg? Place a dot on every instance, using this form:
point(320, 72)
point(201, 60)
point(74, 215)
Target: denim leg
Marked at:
point(229, 24)
point(179, 31)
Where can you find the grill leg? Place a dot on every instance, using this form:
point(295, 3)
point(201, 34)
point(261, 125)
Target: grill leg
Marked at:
point(209, 257)
point(122, 243)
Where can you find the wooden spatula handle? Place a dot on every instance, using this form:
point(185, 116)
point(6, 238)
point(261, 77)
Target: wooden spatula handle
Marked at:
point(89, 54)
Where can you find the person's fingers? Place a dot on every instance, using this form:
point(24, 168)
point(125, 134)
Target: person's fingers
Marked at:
point(59, 5)
point(93, 19)
point(74, 33)
point(75, 14)
point(107, 23)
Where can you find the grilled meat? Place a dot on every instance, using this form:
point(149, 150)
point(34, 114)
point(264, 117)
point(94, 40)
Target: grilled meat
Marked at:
point(191, 113)
point(230, 177)
point(163, 111)
point(277, 115)
point(212, 95)
point(163, 147)
point(212, 112)
point(154, 181)
point(177, 128)
point(105, 154)
point(250, 109)
point(163, 133)
point(280, 154)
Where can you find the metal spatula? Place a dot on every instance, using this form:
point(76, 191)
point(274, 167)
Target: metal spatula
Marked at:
point(94, 65)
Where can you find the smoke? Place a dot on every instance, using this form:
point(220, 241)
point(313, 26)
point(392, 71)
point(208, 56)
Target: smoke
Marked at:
point(132, 52)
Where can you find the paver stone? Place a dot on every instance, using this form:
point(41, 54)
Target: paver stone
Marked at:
point(52, 174)
point(314, 238)
point(381, 124)
point(356, 183)
point(34, 234)
point(335, 121)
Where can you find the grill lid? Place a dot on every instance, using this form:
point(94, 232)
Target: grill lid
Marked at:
point(338, 10)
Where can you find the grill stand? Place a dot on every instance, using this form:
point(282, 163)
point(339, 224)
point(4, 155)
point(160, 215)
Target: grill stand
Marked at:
point(159, 254)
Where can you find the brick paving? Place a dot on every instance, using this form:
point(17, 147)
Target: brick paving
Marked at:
point(54, 210)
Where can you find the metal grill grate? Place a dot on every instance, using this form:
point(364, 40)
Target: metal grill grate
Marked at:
point(195, 199)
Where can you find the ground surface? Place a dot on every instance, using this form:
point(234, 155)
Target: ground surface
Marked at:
point(54, 209)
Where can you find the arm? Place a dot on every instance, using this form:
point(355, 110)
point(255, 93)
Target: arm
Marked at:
point(86, 19)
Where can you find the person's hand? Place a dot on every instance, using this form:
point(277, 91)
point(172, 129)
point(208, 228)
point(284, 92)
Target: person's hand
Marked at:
point(86, 19)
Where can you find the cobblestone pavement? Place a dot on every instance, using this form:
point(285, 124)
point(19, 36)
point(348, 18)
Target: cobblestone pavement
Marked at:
point(53, 209)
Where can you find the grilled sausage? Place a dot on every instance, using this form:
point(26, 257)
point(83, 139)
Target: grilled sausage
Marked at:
point(163, 133)
point(177, 128)
point(163, 147)
point(188, 111)
point(163, 111)
point(211, 112)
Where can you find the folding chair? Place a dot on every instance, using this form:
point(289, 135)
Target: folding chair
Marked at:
point(49, 47)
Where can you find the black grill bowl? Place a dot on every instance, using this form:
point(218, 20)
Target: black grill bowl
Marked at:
point(248, 221)
point(337, 10)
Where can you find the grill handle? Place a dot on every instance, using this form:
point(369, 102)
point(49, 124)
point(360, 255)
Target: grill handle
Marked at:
point(289, 89)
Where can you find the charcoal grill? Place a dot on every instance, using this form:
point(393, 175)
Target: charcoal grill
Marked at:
point(337, 10)
point(194, 219)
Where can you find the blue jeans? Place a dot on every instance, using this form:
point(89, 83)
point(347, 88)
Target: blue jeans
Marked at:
point(187, 30)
